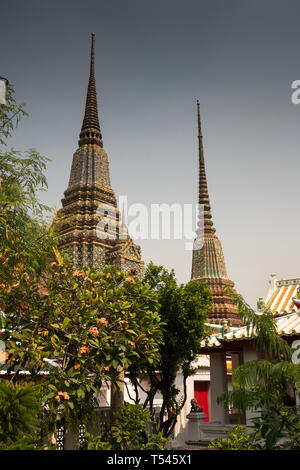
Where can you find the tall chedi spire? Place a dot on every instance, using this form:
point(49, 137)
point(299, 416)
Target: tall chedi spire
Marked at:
point(208, 263)
point(90, 130)
point(90, 219)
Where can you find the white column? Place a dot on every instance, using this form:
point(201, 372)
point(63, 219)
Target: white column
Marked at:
point(237, 360)
point(218, 384)
point(250, 354)
point(70, 440)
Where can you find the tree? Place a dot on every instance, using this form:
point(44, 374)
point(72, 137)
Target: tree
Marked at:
point(80, 328)
point(10, 114)
point(26, 243)
point(20, 411)
point(184, 310)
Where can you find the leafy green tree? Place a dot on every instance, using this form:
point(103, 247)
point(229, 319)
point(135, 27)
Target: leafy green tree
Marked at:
point(10, 114)
point(81, 327)
point(20, 412)
point(26, 243)
point(25, 246)
point(25, 239)
point(184, 310)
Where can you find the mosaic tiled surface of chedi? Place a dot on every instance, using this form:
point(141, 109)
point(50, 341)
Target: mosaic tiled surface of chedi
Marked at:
point(92, 238)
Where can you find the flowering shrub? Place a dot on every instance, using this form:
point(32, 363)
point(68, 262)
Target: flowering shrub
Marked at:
point(82, 327)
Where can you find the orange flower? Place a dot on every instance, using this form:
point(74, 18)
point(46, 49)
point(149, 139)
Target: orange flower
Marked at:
point(131, 343)
point(94, 330)
point(77, 366)
point(106, 368)
point(83, 350)
point(62, 394)
point(132, 271)
point(78, 273)
point(102, 322)
point(129, 279)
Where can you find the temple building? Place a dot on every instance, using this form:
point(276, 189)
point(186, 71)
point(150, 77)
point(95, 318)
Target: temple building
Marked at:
point(91, 229)
point(208, 264)
point(283, 300)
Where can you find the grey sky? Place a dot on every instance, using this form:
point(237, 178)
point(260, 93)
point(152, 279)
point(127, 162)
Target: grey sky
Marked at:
point(153, 60)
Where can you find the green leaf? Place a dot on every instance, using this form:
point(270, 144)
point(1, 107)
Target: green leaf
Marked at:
point(271, 438)
point(66, 322)
point(80, 393)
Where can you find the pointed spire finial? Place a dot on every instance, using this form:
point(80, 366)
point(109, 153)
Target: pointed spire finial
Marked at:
point(90, 130)
point(123, 227)
point(203, 190)
point(199, 120)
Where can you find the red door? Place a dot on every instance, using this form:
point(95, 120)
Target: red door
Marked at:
point(201, 395)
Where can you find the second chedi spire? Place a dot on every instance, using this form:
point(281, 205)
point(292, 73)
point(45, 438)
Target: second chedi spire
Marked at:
point(203, 190)
point(208, 263)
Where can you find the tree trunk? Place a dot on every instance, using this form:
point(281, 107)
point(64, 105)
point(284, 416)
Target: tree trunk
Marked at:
point(117, 395)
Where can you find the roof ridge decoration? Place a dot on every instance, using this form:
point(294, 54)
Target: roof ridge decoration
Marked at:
point(287, 282)
point(286, 325)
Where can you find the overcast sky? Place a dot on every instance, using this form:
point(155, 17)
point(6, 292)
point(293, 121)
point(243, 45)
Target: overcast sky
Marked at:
point(153, 60)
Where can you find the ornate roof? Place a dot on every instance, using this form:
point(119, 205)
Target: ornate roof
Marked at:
point(283, 295)
point(287, 325)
